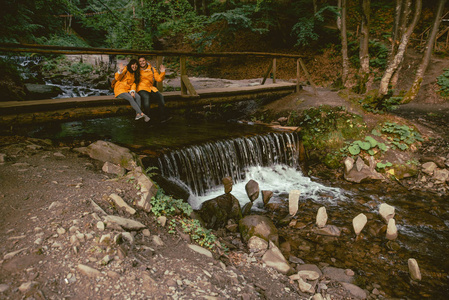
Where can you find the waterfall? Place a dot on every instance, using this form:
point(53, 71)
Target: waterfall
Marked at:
point(202, 167)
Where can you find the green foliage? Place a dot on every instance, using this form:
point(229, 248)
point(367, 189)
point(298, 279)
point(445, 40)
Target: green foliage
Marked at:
point(62, 39)
point(305, 30)
point(381, 165)
point(372, 103)
point(401, 136)
point(167, 205)
point(204, 237)
point(443, 82)
point(369, 144)
point(81, 68)
point(378, 54)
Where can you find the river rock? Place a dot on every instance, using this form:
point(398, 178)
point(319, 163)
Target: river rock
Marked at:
point(252, 190)
point(321, 217)
point(216, 212)
point(309, 267)
point(305, 287)
point(329, 230)
point(111, 168)
point(201, 250)
point(28, 286)
point(266, 196)
point(429, 167)
point(386, 212)
point(126, 224)
point(413, 268)
point(359, 222)
point(257, 244)
point(337, 274)
point(106, 151)
point(246, 210)
point(354, 290)
point(88, 271)
point(392, 230)
point(441, 176)
point(360, 172)
point(147, 189)
point(122, 204)
point(227, 182)
point(41, 91)
point(258, 225)
point(274, 258)
point(293, 201)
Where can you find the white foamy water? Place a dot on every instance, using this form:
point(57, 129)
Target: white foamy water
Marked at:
point(279, 179)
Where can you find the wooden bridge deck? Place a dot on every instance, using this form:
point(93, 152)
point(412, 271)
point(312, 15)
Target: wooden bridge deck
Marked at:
point(18, 112)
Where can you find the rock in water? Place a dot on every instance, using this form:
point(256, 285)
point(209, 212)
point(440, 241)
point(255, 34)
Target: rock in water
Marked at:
point(293, 199)
point(386, 211)
point(321, 217)
point(413, 268)
point(392, 230)
point(358, 223)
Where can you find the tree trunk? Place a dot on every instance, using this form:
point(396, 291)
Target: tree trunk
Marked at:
point(397, 60)
point(344, 42)
point(365, 10)
point(411, 94)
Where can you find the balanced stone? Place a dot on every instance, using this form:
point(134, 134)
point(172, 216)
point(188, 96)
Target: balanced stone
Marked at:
point(266, 196)
point(386, 211)
point(252, 190)
point(413, 268)
point(293, 199)
point(321, 217)
point(392, 230)
point(227, 182)
point(358, 223)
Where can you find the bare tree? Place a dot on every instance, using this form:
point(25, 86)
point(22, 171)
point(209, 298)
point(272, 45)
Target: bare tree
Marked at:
point(411, 94)
point(365, 10)
point(341, 24)
point(396, 61)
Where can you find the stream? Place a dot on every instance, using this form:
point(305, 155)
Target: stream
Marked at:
point(422, 218)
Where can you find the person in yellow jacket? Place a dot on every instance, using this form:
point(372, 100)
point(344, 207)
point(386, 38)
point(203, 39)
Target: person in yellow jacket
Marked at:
point(146, 89)
point(125, 87)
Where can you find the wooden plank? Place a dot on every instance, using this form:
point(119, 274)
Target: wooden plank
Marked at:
point(267, 73)
point(298, 74)
point(186, 81)
point(308, 76)
point(274, 70)
point(182, 66)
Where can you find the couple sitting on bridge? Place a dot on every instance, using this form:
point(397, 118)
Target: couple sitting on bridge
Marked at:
point(134, 83)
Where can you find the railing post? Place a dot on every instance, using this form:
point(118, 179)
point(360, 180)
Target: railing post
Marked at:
point(274, 70)
point(183, 72)
point(298, 73)
point(159, 85)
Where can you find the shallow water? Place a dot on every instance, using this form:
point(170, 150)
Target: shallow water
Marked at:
point(422, 218)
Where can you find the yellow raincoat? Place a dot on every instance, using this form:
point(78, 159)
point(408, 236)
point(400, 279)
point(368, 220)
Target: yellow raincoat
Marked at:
point(147, 78)
point(126, 84)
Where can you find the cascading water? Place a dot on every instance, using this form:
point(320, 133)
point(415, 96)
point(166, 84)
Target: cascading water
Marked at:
point(270, 159)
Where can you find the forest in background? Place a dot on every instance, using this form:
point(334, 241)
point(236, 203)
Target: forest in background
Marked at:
point(364, 41)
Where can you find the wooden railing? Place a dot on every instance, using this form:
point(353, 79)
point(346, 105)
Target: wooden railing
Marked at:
point(187, 89)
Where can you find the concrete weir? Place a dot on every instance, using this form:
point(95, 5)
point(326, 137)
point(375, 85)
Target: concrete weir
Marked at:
point(35, 111)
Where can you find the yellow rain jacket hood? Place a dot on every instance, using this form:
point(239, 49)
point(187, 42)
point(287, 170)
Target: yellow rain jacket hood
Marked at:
point(126, 84)
point(147, 78)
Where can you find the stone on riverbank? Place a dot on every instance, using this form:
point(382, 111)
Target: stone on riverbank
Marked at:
point(386, 212)
point(252, 190)
point(293, 199)
point(359, 223)
point(392, 230)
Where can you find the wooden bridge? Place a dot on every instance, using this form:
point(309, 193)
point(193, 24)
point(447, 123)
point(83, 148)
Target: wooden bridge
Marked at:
point(31, 111)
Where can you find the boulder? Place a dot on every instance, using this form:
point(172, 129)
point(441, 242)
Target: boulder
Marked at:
point(413, 268)
point(429, 167)
point(321, 217)
point(329, 230)
point(113, 169)
point(256, 244)
point(216, 212)
point(354, 290)
point(257, 225)
point(360, 172)
point(252, 190)
point(386, 212)
point(337, 274)
point(147, 187)
point(227, 182)
point(358, 223)
point(107, 151)
point(441, 176)
point(392, 230)
point(293, 201)
point(246, 210)
point(274, 258)
point(266, 196)
point(41, 91)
